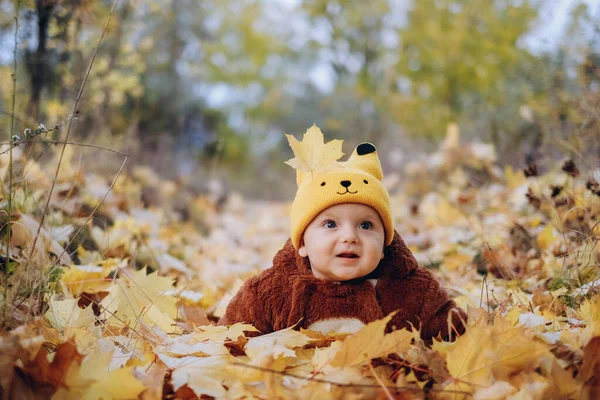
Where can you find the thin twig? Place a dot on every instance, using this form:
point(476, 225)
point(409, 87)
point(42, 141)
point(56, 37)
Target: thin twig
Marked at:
point(353, 385)
point(12, 115)
point(62, 152)
point(62, 142)
point(385, 389)
point(501, 270)
point(93, 211)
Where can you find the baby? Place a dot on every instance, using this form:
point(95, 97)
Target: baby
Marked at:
point(344, 265)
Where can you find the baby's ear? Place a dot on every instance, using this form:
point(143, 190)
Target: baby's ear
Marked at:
point(365, 158)
point(302, 248)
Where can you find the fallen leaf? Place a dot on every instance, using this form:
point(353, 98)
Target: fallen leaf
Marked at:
point(218, 333)
point(54, 372)
point(203, 375)
point(590, 370)
point(563, 383)
point(372, 342)
point(142, 296)
point(93, 380)
point(277, 344)
point(546, 237)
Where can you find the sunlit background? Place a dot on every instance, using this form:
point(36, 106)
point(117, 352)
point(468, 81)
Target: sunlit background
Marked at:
point(205, 90)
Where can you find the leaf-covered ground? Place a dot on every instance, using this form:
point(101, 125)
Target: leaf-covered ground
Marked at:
point(123, 305)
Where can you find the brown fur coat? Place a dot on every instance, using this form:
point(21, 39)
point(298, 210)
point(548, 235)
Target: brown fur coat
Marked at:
point(288, 294)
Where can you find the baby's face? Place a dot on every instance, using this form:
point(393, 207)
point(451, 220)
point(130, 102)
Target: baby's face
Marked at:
point(344, 242)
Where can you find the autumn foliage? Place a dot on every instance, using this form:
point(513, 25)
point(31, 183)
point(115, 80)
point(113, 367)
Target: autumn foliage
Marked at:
point(123, 305)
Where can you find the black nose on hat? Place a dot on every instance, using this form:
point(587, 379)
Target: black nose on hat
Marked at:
point(345, 183)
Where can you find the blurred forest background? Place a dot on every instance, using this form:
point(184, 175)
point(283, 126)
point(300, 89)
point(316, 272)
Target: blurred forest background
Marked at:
point(205, 90)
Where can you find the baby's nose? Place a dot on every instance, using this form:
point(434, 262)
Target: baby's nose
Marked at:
point(345, 183)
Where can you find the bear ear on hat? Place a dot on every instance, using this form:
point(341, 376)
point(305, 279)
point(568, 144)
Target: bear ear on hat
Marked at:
point(365, 148)
point(365, 158)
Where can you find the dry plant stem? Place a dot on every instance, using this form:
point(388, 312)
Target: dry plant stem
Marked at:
point(10, 162)
point(12, 115)
point(94, 210)
point(349, 385)
point(62, 152)
point(385, 389)
point(65, 142)
point(501, 270)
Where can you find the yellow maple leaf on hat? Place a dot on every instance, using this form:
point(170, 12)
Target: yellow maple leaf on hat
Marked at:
point(312, 154)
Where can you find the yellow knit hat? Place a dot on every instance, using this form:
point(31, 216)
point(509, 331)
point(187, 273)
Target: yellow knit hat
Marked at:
point(357, 180)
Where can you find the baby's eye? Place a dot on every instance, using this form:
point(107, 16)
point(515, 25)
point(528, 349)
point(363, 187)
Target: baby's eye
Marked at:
point(366, 225)
point(329, 224)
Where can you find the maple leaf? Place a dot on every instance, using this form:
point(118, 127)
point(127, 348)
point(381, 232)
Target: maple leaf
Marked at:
point(74, 323)
point(546, 237)
point(312, 154)
point(54, 372)
point(90, 278)
point(508, 350)
point(564, 384)
point(184, 346)
point(93, 380)
point(277, 344)
point(274, 351)
point(221, 333)
point(203, 375)
point(142, 296)
point(66, 313)
point(590, 312)
point(372, 342)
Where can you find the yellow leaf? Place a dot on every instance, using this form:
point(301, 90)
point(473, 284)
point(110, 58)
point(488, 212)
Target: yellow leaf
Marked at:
point(203, 375)
point(514, 350)
point(456, 260)
point(411, 378)
point(590, 312)
point(312, 154)
point(514, 178)
point(142, 296)
point(85, 278)
point(92, 381)
point(505, 351)
point(546, 237)
point(185, 346)
point(372, 342)
point(564, 384)
point(66, 313)
point(467, 362)
point(535, 221)
point(513, 315)
point(217, 333)
point(278, 344)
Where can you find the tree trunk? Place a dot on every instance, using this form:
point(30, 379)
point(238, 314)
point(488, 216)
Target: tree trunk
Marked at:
point(39, 67)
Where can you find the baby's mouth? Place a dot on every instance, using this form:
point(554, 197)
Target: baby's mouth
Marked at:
point(348, 255)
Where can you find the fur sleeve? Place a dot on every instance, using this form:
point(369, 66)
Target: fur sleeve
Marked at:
point(439, 314)
point(246, 307)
